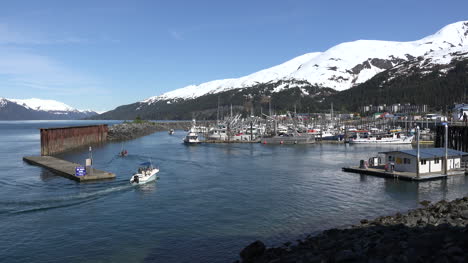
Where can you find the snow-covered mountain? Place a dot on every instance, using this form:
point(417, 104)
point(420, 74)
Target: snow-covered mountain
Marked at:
point(45, 105)
point(38, 109)
point(343, 66)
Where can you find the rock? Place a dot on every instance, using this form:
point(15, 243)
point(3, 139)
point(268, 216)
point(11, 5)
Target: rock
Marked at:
point(345, 256)
point(425, 203)
point(435, 233)
point(252, 251)
point(464, 214)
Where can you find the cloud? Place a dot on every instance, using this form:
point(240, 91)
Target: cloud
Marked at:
point(24, 71)
point(12, 36)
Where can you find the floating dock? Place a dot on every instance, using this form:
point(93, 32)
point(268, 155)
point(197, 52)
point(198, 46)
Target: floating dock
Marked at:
point(401, 175)
point(67, 169)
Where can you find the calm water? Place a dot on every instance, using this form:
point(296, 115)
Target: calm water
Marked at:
point(211, 200)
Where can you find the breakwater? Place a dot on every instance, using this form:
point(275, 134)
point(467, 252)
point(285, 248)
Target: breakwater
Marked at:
point(436, 232)
point(132, 130)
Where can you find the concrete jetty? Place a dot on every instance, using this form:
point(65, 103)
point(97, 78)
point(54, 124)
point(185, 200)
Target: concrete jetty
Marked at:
point(67, 169)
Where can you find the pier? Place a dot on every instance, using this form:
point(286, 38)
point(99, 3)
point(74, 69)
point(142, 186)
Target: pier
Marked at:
point(67, 169)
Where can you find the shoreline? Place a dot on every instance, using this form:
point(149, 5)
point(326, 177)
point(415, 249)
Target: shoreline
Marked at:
point(435, 232)
point(132, 130)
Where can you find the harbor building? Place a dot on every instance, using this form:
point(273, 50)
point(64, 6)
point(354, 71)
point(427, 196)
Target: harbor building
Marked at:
point(431, 160)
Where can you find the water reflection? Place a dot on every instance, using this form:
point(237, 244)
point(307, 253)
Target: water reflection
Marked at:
point(47, 175)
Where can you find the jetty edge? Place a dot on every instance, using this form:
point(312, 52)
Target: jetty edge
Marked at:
point(433, 233)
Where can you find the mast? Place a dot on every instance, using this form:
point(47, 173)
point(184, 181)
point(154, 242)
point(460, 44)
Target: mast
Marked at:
point(217, 113)
point(417, 152)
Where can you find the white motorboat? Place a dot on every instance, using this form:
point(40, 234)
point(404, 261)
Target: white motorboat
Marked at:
point(146, 173)
point(171, 132)
point(191, 138)
point(392, 138)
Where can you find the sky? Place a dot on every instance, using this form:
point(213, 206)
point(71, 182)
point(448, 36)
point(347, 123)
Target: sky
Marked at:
point(102, 54)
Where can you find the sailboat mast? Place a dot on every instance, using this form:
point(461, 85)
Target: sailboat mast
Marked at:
point(217, 113)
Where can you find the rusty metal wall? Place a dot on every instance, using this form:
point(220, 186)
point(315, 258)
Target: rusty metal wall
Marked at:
point(57, 140)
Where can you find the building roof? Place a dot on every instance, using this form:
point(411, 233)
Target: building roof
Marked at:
point(427, 153)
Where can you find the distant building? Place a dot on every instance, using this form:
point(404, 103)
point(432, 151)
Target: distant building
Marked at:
point(431, 160)
point(459, 110)
point(395, 108)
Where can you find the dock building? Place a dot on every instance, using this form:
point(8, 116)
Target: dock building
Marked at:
point(431, 160)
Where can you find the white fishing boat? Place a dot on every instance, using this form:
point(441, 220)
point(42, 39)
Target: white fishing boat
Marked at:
point(391, 138)
point(218, 133)
point(146, 173)
point(191, 138)
point(171, 131)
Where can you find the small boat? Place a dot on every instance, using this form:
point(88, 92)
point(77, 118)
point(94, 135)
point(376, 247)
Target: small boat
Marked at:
point(191, 138)
point(171, 131)
point(146, 173)
point(123, 152)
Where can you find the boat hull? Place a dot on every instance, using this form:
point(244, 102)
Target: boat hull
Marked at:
point(143, 179)
point(307, 139)
point(363, 141)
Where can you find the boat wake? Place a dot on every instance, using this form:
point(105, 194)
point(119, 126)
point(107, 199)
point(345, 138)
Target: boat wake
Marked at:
point(28, 206)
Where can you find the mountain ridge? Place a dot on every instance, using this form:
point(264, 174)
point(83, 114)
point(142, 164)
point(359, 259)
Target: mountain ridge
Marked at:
point(38, 109)
point(340, 67)
point(295, 83)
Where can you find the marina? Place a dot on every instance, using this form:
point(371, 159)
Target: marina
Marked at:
point(244, 132)
point(244, 180)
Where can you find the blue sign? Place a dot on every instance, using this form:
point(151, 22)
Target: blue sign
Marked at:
point(80, 171)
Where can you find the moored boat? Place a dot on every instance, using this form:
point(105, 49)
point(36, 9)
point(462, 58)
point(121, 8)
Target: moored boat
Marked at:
point(191, 138)
point(390, 138)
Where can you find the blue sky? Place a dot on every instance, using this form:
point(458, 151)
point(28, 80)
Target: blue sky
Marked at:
point(102, 54)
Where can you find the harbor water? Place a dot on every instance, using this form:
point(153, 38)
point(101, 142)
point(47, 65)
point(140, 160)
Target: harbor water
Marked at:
point(211, 199)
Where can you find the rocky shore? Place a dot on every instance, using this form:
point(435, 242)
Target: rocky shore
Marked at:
point(434, 233)
point(132, 130)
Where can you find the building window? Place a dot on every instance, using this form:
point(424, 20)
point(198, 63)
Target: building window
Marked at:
point(436, 160)
point(390, 158)
point(406, 161)
point(423, 162)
